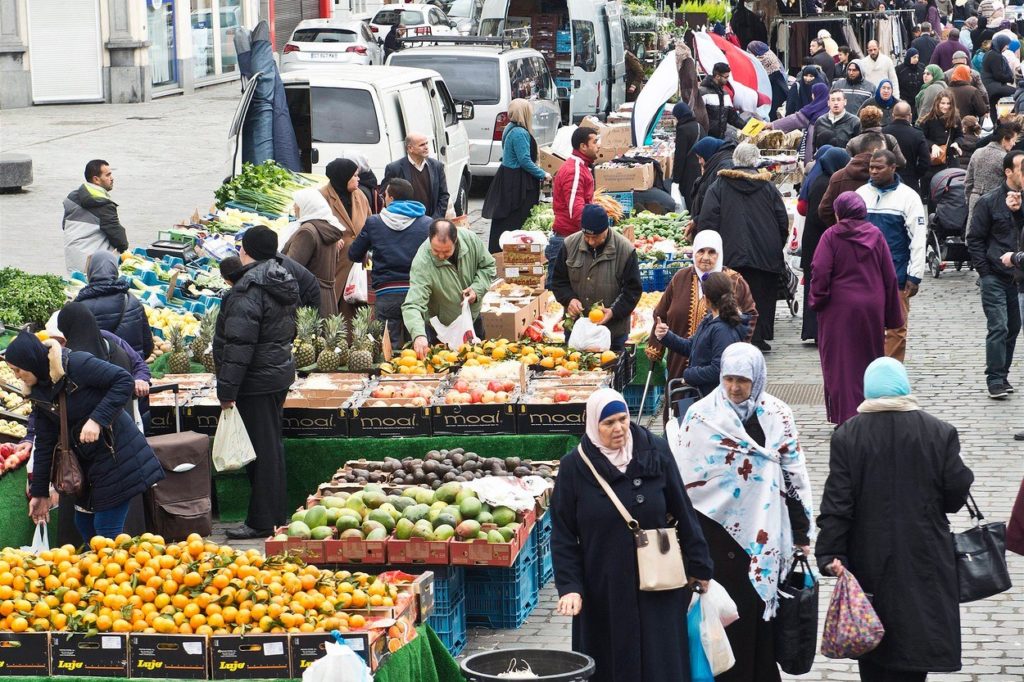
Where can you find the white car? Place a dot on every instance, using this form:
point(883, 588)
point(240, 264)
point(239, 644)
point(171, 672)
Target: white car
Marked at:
point(415, 20)
point(328, 42)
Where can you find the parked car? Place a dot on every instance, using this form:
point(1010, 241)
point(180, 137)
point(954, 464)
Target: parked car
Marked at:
point(490, 76)
point(328, 42)
point(369, 110)
point(420, 20)
point(466, 15)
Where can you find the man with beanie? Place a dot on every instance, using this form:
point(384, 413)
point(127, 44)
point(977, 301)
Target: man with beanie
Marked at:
point(717, 93)
point(252, 350)
point(960, 57)
point(394, 236)
point(571, 190)
point(598, 266)
point(745, 207)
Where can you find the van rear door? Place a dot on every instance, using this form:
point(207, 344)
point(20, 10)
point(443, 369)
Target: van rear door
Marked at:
point(587, 58)
point(235, 131)
point(616, 46)
point(492, 17)
point(346, 119)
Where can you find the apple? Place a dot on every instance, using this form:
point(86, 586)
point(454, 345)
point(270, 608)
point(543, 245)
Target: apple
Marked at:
point(562, 372)
point(476, 395)
point(461, 386)
point(501, 397)
point(419, 401)
point(561, 396)
point(508, 386)
point(494, 386)
point(487, 397)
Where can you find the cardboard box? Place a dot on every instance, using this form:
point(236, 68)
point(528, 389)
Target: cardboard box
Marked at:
point(509, 325)
point(423, 588)
point(609, 153)
point(355, 551)
point(513, 272)
point(311, 551)
point(613, 135)
point(78, 655)
point(483, 553)
point(235, 657)
point(305, 650)
point(183, 657)
point(548, 160)
point(624, 178)
point(419, 551)
point(28, 653)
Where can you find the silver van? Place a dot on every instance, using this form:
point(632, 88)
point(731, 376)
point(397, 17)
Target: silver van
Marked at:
point(490, 76)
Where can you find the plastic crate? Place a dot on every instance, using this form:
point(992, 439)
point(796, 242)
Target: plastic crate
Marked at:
point(542, 537)
point(563, 83)
point(503, 598)
point(657, 277)
point(450, 626)
point(633, 395)
point(449, 586)
point(563, 42)
point(624, 198)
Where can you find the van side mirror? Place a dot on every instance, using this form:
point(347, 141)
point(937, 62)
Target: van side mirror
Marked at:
point(563, 93)
point(452, 23)
point(466, 111)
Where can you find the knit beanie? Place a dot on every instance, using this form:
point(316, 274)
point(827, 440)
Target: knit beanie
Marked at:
point(260, 242)
point(594, 219)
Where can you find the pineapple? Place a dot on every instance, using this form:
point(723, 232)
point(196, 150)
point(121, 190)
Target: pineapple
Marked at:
point(360, 358)
point(205, 336)
point(307, 323)
point(330, 358)
point(178, 362)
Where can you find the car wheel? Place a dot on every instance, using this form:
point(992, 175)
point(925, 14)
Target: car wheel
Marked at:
point(462, 198)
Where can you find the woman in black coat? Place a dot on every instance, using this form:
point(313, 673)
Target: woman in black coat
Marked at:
point(910, 75)
point(996, 74)
point(894, 473)
point(800, 92)
point(115, 308)
point(713, 155)
point(632, 635)
point(116, 461)
point(685, 166)
point(941, 128)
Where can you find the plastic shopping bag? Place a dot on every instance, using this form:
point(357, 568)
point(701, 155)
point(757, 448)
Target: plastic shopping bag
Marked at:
point(40, 540)
point(719, 598)
point(700, 668)
point(232, 448)
point(590, 337)
point(716, 645)
point(356, 286)
point(460, 331)
point(341, 664)
point(852, 627)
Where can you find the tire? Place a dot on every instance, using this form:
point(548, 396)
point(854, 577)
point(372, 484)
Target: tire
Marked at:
point(462, 197)
point(934, 265)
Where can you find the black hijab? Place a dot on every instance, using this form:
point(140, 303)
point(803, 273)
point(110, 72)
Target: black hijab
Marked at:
point(339, 172)
point(78, 325)
point(27, 352)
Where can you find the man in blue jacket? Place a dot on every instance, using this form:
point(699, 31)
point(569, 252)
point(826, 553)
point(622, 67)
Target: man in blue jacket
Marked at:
point(394, 236)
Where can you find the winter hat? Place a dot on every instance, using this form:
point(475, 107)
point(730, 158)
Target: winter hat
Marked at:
point(260, 242)
point(746, 156)
point(757, 48)
point(960, 54)
point(594, 219)
point(707, 146)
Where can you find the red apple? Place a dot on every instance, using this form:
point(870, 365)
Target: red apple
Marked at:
point(494, 386)
point(461, 386)
point(508, 386)
point(476, 395)
point(561, 396)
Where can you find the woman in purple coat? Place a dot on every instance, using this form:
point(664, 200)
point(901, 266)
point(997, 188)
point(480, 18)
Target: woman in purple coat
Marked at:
point(856, 296)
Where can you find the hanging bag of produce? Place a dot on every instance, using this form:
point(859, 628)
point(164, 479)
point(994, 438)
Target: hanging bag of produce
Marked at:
point(590, 337)
point(852, 627)
point(232, 448)
point(356, 285)
point(460, 331)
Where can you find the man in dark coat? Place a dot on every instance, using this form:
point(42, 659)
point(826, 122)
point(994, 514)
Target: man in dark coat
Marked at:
point(840, 123)
point(925, 44)
point(716, 92)
point(746, 24)
point(912, 143)
point(995, 230)
point(685, 166)
point(115, 308)
point(894, 473)
point(252, 350)
point(820, 57)
point(849, 179)
point(426, 175)
point(746, 208)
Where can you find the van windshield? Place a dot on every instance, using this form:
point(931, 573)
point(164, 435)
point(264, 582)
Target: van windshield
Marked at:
point(344, 116)
point(324, 35)
point(468, 78)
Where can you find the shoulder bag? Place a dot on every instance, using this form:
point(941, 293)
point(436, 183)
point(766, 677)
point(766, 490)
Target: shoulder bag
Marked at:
point(65, 471)
point(940, 160)
point(659, 560)
point(981, 557)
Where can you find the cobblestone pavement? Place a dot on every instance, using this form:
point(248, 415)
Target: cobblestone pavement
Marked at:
point(168, 157)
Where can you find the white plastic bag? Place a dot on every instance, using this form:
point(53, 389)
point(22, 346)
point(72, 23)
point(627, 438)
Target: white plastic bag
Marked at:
point(232, 448)
point(590, 337)
point(356, 286)
point(719, 598)
point(341, 664)
point(712, 634)
point(137, 417)
point(460, 331)
point(40, 540)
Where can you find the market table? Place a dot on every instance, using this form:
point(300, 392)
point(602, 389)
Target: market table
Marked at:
point(311, 461)
point(423, 660)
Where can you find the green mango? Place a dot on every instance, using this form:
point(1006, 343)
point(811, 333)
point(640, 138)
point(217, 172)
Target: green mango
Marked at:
point(377, 534)
point(316, 516)
point(322, 533)
point(352, 533)
point(404, 529)
point(470, 508)
point(347, 522)
point(297, 529)
point(444, 532)
point(503, 516)
point(333, 502)
point(506, 533)
point(464, 494)
point(485, 517)
point(468, 530)
point(383, 518)
point(494, 537)
point(299, 515)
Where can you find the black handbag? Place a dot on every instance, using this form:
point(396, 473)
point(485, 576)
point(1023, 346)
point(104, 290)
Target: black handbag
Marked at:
point(796, 619)
point(981, 557)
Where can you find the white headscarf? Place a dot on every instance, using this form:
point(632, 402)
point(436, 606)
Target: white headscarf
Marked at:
point(744, 360)
point(313, 206)
point(709, 239)
point(596, 404)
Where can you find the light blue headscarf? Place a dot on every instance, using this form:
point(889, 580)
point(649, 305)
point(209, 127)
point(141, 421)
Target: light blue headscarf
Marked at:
point(886, 378)
point(745, 360)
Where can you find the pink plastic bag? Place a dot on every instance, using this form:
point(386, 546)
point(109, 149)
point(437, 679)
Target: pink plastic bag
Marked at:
point(852, 627)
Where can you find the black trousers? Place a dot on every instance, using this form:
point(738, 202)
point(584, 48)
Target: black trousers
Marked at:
point(263, 416)
point(872, 672)
point(764, 287)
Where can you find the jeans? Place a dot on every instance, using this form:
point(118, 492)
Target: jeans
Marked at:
point(388, 309)
point(619, 342)
point(1002, 311)
point(107, 523)
point(551, 252)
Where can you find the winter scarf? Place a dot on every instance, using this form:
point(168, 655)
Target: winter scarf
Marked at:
point(768, 59)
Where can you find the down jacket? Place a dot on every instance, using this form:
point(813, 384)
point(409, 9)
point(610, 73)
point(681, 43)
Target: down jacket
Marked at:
point(252, 342)
point(747, 210)
point(117, 467)
point(106, 299)
point(90, 224)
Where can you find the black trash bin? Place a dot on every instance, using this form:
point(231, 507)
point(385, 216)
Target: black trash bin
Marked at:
point(548, 665)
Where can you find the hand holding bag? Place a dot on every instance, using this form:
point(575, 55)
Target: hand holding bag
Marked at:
point(65, 471)
point(796, 621)
point(981, 557)
point(852, 627)
point(659, 560)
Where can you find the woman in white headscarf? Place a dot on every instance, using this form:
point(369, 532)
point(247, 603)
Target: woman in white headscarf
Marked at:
point(315, 244)
point(683, 305)
point(739, 454)
point(632, 635)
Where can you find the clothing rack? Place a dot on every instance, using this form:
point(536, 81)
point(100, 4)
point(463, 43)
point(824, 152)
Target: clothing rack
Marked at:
point(855, 29)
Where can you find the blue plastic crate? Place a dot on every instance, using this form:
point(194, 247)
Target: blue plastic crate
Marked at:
point(563, 83)
point(450, 626)
point(633, 394)
point(449, 586)
point(543, 527)
point(624, 198)
point(503, 598)
point(542, 537)
point(658, 276)
point(563, 42)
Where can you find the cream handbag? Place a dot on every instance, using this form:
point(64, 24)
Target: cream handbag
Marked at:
point(659, 560)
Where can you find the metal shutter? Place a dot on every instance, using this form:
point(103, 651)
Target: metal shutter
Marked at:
point(64, 44)
point(288, 14)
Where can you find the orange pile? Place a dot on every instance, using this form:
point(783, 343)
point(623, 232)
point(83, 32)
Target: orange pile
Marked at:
point(144, 585)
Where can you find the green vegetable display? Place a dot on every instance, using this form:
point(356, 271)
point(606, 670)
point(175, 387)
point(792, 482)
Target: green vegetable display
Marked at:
point(267, 188)
point(26, 298)
point(542, 217)
point(668, 226)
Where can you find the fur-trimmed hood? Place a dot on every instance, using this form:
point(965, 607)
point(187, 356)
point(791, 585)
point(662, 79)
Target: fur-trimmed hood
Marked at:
point(55, 358)
point(746, 180)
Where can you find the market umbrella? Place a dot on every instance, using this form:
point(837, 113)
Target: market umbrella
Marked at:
point(663, 83)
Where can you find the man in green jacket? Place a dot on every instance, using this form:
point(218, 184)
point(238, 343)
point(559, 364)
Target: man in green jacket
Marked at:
point(451, 266)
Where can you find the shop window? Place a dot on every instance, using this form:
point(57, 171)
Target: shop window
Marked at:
point(203, 38)
point(162, 54)
point(584, 45)
point(344, 116)
point(230, 16)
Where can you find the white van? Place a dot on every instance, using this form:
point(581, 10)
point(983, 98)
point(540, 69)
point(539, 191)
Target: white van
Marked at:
point(369, 110)
point(490, 76)
point(584, 42)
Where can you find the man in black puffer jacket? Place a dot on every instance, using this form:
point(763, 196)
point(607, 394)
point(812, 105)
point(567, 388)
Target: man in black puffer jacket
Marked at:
point(115, 308)
point(252, 350)
point(717, 95)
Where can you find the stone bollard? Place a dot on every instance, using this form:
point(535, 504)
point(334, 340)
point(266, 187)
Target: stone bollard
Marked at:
point(15, 172)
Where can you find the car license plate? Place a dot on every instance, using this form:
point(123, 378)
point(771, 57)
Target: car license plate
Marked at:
point(323, 56)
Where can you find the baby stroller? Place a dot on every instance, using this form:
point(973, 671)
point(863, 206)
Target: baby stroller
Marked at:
point(788, 283)
point(947, 227)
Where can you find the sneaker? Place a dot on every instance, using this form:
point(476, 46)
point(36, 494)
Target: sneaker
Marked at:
point(1019, 435)
point(1007, 386)
point(997, 391)
point(244, 532)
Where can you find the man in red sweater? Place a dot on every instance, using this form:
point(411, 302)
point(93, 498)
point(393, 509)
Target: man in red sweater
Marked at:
point(573, 188)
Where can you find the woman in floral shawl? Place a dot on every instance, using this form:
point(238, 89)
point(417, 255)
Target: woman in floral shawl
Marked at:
point(739, 455)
